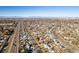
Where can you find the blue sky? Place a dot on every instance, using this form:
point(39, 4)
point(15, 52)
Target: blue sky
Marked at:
point(42, 11)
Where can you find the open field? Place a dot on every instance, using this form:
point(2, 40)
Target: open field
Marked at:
point(39, 35)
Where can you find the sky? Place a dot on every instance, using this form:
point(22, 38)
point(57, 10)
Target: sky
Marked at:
point(39, 11)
